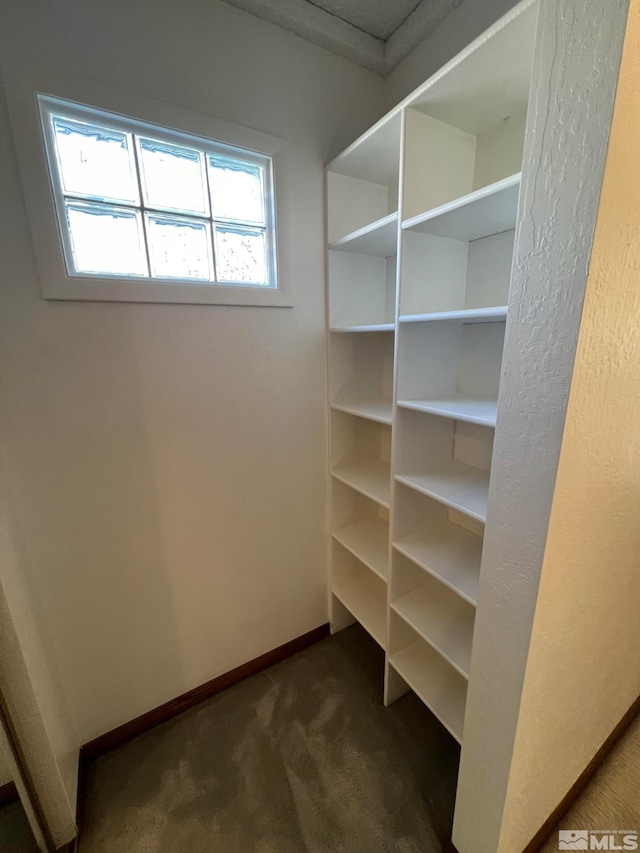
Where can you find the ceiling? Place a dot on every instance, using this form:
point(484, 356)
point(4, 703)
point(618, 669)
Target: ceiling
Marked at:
point(379, 18)
point(376, 34)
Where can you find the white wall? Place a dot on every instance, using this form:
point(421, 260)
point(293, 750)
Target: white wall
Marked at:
point(32, 706)
point(465, 23)
point(583, 671)
point(37, 665)
point(167, 463)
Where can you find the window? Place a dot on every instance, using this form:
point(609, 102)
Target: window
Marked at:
point(142, 202)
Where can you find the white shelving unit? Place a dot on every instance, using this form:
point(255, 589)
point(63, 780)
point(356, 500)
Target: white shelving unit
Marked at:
point(422, 212)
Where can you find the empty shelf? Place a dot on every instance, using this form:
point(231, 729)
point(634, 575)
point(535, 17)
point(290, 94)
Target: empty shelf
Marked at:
point(371, 479)
point(443, 620)
point(373, 410)
point(369, 542)
point(452, 483)
point(371, 327)
point(365, 597)
point(464, 315)
point(380, 238)
point(486, 211)
point(450, 554)
point(440, 687)
point(458, 406)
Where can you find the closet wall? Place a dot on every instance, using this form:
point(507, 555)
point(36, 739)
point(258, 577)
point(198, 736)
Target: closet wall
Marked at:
point(583, 672)
point(166, 462)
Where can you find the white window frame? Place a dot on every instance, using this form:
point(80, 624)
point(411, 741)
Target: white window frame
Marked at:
point(171, 123)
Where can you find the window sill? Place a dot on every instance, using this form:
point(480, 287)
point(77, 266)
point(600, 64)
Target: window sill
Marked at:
point(188, 292)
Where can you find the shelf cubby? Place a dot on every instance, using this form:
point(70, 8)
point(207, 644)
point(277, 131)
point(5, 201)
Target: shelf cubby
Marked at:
point(379, 238)
point(442, 542)
point(362, 192)
point(481, 213)
point(451, 370)
point(368, 540)
point(446, 460)
point(360, 456)
point(441, 617)
point(361, 526)
point(361, 592)
point(361, 375)
point(464, 172)
point(441, 275)
point(362, 292)
point(414, 664)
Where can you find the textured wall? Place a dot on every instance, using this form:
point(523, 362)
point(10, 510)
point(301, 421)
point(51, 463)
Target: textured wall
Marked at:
point(583, 671)
point(574, 79)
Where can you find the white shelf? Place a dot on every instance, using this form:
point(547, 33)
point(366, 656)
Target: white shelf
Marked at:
point(448, 553)
point(443, 620)
point(373, 410)
point(379, 238)
point(495, 314)
point(460, 407)
point(439, 686)
point(371, 479)
point(371, 327)
point(486, 211)
point(365, 597)
point(369, 542)
point(452, 483)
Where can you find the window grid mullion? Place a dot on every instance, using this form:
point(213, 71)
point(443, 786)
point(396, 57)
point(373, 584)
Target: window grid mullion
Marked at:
point(93, 200)
point(211, 220)
point(145, 233)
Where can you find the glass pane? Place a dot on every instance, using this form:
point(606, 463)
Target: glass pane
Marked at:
point(241, 255)
point(179, 248)
point(172, 177)
point(95, 161)
point(106, 239)
point(236, 190)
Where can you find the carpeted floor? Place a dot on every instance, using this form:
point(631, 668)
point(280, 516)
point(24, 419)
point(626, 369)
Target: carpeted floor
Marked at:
point(302, 757)
point(15, 832)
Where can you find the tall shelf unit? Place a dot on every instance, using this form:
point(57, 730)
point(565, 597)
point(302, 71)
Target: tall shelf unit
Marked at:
point(422, 212)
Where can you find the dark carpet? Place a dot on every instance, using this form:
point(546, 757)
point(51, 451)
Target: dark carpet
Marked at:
point(15, 832)
point(301, 757)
